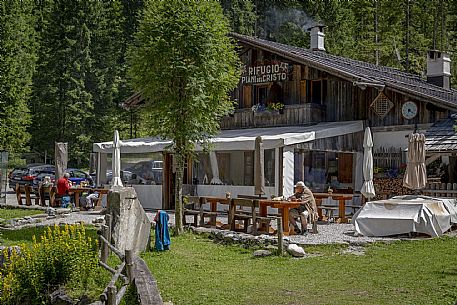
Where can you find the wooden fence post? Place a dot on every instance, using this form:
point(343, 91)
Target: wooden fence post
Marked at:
point(111, 295)
point(129, 265)
point(280, 235)
point(109, 223)
point(104, 251)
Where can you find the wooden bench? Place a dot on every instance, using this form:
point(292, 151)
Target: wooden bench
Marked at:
point(26, 192)
point(330, 209)
point(211, 214)
point(251, 214)
point(193, 208)
point(354, 207)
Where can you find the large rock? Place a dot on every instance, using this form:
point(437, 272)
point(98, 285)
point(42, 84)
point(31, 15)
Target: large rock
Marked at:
point(60, 297)
point(296, 250)
point(131, 226)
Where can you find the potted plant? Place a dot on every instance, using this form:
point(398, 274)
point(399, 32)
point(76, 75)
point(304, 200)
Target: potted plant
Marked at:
point(258, 108)
point(276, 107)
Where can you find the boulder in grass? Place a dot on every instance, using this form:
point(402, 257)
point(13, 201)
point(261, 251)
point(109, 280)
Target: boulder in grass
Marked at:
point(295, 250)
point(261, 253)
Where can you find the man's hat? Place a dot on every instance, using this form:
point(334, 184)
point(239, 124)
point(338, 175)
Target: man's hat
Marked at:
point(300, 183)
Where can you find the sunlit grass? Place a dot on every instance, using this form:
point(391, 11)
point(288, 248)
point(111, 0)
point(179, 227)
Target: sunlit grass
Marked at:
point(197, 271)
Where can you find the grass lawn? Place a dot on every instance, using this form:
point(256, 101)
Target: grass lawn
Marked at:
point(24, 236)
point(16, 213)
point(197, 271)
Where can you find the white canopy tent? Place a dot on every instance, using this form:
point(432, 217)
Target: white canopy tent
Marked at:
point(277, 138)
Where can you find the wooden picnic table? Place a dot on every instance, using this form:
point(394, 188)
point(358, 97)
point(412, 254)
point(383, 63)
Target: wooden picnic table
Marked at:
point(213, 201)
point(341, 203)
point(283, 206)
point(77, 191)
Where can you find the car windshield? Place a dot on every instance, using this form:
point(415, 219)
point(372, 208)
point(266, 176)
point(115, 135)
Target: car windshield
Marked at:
point(18, 171)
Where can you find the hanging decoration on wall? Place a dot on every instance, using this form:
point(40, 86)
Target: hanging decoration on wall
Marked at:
point(382, 105)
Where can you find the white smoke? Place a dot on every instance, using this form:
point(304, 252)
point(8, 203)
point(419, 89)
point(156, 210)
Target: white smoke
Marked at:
point(275, 17)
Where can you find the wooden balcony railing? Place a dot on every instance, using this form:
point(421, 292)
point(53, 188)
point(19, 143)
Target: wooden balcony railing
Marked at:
point(291, 115)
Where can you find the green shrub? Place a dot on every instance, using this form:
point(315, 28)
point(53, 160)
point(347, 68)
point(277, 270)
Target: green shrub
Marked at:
point(63, 256)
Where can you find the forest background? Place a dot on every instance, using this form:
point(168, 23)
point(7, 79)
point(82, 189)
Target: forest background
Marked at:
point(63, 63)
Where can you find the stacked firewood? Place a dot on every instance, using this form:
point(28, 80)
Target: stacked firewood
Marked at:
point(389, 187)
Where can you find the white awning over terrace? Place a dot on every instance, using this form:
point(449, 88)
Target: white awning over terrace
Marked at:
point(244, 139)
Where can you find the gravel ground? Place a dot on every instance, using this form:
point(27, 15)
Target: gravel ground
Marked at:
point(328, 234)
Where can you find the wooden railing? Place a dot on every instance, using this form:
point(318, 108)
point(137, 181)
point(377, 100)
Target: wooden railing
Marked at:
point(436, 189)
point(132, 270)
point(291, 115)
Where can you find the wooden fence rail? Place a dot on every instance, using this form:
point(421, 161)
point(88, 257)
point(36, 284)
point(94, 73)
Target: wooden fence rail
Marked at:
point(132, 270)
point(110, 295)
point(436, 189)
point(388, 157)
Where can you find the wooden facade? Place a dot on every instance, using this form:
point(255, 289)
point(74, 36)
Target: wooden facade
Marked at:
point(311, 96)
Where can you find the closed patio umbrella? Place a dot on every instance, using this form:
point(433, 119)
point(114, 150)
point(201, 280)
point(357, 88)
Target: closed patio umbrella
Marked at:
point(214, 168)
point(116, 162)
point(259, 175)
point(368, 187)
point(416, 173)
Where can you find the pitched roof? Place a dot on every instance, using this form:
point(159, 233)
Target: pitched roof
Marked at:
point(360, 72)
point(441, 136)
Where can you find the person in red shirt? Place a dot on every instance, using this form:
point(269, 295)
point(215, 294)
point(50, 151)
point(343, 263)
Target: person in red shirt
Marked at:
point(63, 185)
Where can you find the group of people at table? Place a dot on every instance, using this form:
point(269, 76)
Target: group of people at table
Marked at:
point(64, 194)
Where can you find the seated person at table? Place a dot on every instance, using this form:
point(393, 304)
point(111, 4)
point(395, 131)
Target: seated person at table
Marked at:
point(307, 207)
point(63, 186)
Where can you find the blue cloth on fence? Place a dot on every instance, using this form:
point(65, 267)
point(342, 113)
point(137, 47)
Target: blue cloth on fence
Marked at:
point(162, 236)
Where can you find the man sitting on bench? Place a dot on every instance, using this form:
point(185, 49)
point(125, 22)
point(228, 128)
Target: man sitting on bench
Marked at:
point(307, 207)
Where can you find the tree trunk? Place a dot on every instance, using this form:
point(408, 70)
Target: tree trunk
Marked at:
point(178, 193)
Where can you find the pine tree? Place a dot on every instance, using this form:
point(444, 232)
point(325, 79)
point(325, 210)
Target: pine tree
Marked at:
point(17, 64)
point(241, 14)
point(78, 85)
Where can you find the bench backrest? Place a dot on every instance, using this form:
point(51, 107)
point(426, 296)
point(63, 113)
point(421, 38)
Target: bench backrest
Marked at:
point(243, 202)
point(194, 201)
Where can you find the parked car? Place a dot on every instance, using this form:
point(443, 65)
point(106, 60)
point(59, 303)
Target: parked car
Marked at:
point(25, 175)
point(76, 177)
point(151, 171)
point(127, 177)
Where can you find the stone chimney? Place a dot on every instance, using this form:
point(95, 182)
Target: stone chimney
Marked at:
point(439, 68)
point(317, 37)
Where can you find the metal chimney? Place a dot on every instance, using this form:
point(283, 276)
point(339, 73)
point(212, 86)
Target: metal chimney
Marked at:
point(317, 37)
point(439, 68)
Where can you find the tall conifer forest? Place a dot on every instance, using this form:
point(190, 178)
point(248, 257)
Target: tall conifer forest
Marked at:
point(63, 62)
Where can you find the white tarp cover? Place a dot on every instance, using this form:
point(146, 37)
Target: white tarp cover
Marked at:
point(244, 139)
point(405, 214)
